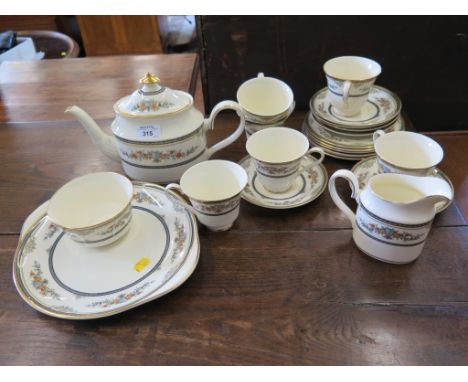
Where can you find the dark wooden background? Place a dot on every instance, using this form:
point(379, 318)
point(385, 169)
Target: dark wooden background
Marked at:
point(424, 58)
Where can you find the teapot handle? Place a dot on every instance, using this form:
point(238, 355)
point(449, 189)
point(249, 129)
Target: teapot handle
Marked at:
point(209, 125)
point(353, 183)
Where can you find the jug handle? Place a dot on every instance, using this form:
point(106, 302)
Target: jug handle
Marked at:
point(209, 125)
point(176, 189)
point(377, 134)
point(353, 183)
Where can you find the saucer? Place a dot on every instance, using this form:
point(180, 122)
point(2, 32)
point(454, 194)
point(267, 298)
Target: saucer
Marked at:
point(347, 143)
point(251, 128)
point(252, 118)
point(58, 277)
point(381, 107)
point(308, 186)
point(367, 168)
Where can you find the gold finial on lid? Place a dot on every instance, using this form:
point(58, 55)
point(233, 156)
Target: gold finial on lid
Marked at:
point(149, 79)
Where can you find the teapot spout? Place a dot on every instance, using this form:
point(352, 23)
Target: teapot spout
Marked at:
point(104, 141)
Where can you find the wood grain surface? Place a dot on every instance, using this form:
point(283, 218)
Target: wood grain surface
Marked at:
point(41, 90)
point(279, 288)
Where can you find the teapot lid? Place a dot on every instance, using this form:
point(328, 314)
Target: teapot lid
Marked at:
point(153, 99)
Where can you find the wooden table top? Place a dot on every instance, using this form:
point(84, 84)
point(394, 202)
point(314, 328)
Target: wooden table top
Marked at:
point(41, 90)
point(280, 287)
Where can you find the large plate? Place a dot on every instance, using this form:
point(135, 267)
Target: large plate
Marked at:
point(343, 143)
point(60, 278)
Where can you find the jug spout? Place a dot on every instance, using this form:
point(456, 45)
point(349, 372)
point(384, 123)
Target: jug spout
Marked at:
point(435, 190)
point(435, 199)
point(104, 141)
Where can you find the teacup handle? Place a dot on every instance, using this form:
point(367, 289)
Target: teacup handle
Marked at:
point(346, 89)
point(353, 183)
point(175, 188)
point(209, 125)
point(34, 217)
point(377, 134)
point(316, 161)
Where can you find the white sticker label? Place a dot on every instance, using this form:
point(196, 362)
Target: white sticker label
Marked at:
point(149, 131)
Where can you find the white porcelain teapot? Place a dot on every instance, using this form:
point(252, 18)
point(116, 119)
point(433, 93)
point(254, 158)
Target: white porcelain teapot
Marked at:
point(157, 132)
point(394, 214)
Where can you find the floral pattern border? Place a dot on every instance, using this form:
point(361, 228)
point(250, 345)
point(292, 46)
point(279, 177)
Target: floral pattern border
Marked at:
point(217, 208)
point(151, 105)
point(40, 283)
point(158, 156)
point(390, 233)
point(121, 298)
point(276, 169)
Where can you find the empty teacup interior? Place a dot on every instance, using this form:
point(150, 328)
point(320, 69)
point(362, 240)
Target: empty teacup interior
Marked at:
point(213, 180)
point(352, 68)
point(408, 150)
point(265, 96)
point(90, 200)
point(277, 145)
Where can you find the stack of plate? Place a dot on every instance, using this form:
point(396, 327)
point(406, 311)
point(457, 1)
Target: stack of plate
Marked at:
point(350, 138)
point(61, 278)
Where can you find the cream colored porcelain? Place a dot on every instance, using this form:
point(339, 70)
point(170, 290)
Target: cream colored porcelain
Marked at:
point(277, 153)
point(265, 99)
point(349, 79)
point(94, 209)
point(157, 132)
point(214, 189)
point(368, 167)
point(308, 186)
point(394, 214)
point(63, 279)
point(405, 152)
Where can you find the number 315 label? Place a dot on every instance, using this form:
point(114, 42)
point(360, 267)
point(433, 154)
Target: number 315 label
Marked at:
point(149, 131)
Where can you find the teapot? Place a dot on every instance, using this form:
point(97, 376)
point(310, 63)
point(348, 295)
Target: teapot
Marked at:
point(394, 213)
point(157, 132)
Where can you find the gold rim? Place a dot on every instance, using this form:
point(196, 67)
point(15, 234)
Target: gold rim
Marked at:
point(100, 223)
point(74, 316)
point(221, 200)
point(122, 212)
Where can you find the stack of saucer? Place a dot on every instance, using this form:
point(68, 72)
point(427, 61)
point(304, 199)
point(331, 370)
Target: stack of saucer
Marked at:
point(266, 102)
point(254, 123)
point(350, 138)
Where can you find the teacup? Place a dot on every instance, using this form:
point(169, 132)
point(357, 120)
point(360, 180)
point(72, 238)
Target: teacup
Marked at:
point(214, 188)
point(404, 152)
point(265, 99)
point(94, 209)
point(277, 153)
point(349, 80)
